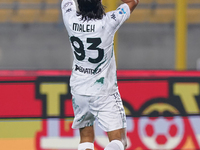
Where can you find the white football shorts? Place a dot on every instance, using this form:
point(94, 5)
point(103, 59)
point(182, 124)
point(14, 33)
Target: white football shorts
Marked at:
point(107, 110)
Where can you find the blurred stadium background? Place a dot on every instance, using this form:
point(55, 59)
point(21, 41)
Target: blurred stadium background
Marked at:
point(35, 64)
point(33, 36)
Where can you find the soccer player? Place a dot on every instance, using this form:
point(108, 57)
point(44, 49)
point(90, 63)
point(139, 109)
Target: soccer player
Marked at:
point(93, 80)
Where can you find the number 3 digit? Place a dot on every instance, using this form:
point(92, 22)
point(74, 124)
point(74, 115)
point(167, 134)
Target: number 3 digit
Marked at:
point(95, 42)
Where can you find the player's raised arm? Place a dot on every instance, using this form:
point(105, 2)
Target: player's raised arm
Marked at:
point(131, 3)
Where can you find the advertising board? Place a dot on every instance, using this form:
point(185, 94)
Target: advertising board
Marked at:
point(162, 108)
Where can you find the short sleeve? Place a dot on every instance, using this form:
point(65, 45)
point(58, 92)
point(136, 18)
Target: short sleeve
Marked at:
point(118, 16)
point(68, 6)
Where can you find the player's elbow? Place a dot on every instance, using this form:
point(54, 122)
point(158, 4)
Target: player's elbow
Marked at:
point(133, 4)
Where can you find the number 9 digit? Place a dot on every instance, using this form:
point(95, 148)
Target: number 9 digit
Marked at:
point(79, 51)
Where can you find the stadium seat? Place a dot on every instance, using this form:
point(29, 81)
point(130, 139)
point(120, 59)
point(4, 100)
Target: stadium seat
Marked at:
point(49, 16)
point(25, 16)
point(6, 1)
point(162, 15)
point(165, 1)
point(139, 16)
point(48, 11)
point(52, 1)
point(193, 1)
point(29, 1)
point(193, 16)
point(5, 15)
point(146, 1)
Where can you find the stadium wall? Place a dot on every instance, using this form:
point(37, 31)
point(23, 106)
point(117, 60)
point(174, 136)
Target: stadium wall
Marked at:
point(140, 46)
point(162, 109)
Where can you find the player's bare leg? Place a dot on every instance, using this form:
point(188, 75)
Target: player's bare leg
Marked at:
point(86, 138)
point(117, 140)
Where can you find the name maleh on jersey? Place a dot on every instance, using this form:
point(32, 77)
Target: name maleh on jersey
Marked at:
point(87, 70)
point(83, 27)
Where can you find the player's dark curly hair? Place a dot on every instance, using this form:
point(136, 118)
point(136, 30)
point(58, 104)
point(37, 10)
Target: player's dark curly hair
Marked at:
point(90, 9)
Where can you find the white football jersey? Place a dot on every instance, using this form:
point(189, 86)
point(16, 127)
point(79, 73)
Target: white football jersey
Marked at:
point(94, 67)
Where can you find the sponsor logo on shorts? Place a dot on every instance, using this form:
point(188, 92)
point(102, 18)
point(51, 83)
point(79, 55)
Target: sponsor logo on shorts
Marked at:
point(87, 70)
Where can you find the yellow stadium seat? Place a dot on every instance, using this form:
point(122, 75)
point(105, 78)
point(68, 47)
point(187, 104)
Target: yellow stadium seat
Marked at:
point(162, 15)
point(6, 1)
point(165, 1)
point(146, 1)
point(29, 1)
point(25, 16)
point(139, 16)
point(193, 1)
point(49, 16)
point(193, 16)
point(5, 15)
point(52, 14)
point(52, 1)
